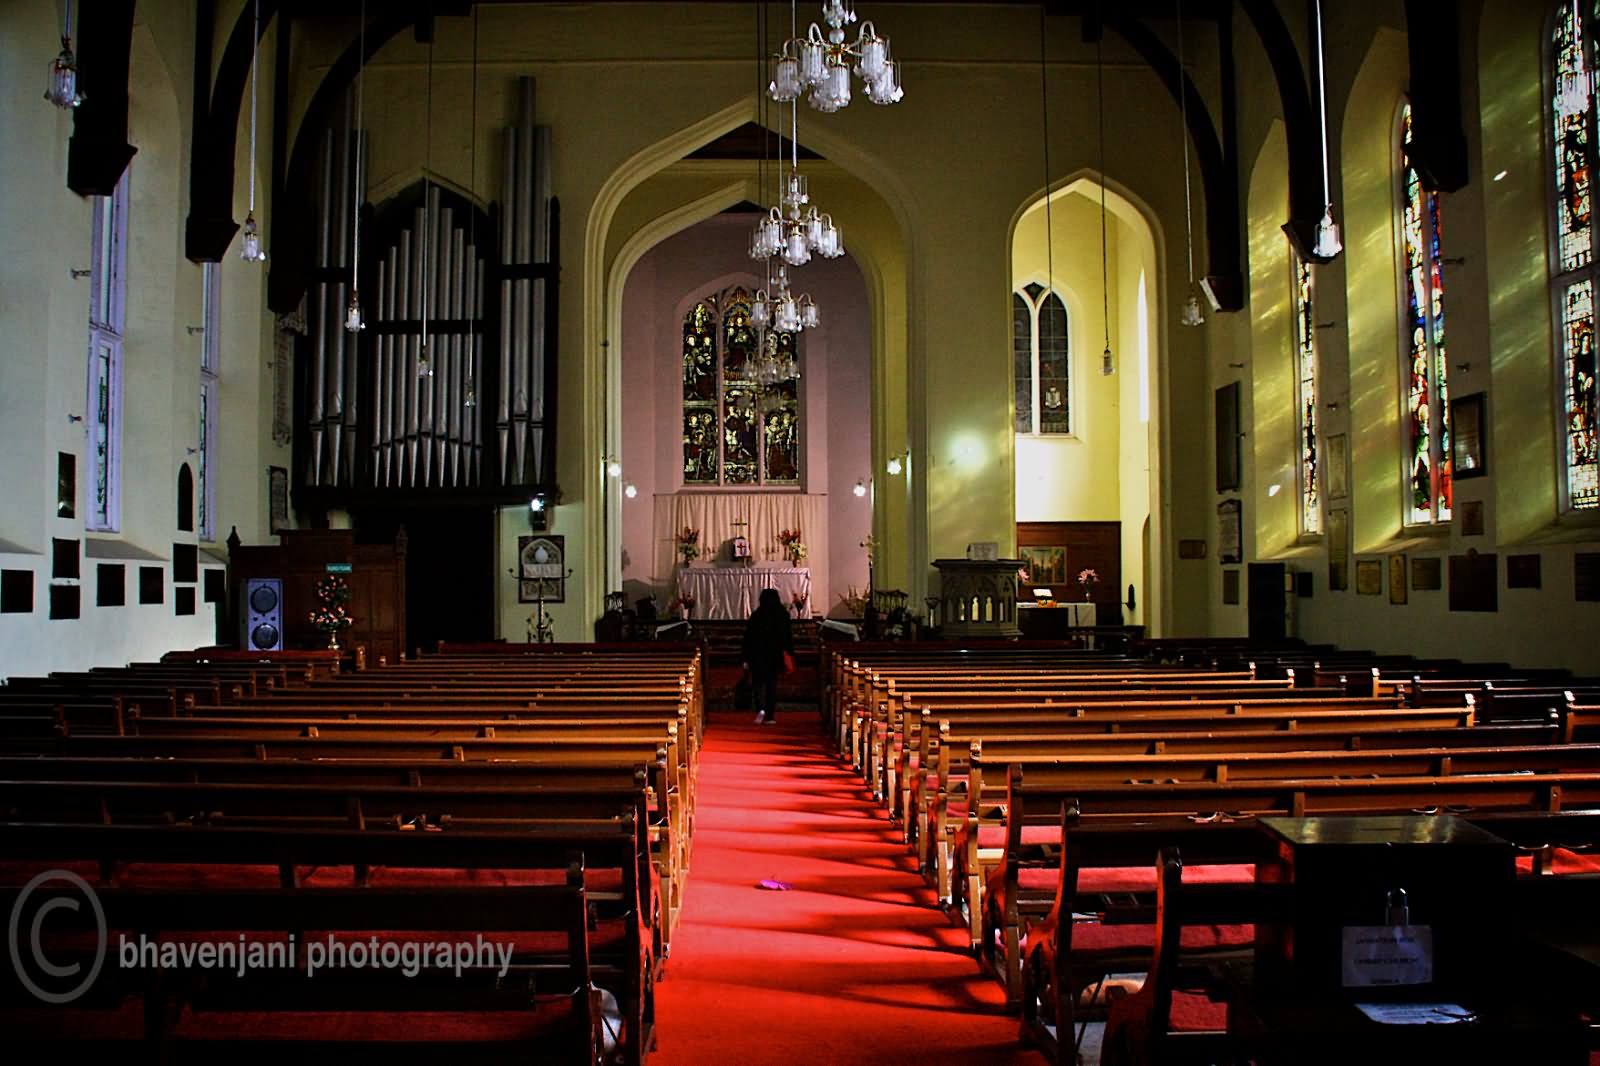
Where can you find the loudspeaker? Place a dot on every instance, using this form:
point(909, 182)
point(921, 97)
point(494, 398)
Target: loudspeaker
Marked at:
point(261, 618)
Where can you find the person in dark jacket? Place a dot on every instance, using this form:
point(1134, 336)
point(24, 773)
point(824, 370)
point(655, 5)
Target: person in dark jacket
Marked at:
point(767, 637)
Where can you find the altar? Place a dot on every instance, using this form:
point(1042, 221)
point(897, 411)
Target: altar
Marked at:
point(734, 591)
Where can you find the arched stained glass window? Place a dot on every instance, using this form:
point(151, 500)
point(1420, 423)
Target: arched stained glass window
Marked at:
point(735, 432)
point(1572, 97)
point(1039, 358)
point(1425, 377)
point(1305, 355)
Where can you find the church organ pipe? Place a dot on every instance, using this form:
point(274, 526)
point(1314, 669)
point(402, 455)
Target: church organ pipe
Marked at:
point(524, 286)
point(507, 213)
point(535, 380)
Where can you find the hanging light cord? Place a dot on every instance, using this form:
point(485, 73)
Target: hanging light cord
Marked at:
point(1044, 118)
point(1100, 108)
point(361, 77)
point(1183, 110)
point(1322, 105)
point(427, 221)
point(255, 61)
point(66, 24)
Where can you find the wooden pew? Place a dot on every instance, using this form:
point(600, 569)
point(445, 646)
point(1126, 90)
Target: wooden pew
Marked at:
point(1104, 824)
point(228, 901)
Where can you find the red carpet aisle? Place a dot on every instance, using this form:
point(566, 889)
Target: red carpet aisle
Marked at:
point(853, 965)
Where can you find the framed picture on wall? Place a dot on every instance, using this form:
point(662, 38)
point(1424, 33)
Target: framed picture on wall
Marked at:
point(1467, 458)
point(1046, 565)
point(1227, 419)
point(542, 566)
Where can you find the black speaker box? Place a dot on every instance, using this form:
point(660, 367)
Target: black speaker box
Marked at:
point(261, 614)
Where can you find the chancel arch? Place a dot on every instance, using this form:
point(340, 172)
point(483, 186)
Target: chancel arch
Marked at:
point(1091, 489)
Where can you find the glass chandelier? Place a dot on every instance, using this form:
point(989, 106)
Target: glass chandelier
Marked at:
point(818, 66)
point(62, 87)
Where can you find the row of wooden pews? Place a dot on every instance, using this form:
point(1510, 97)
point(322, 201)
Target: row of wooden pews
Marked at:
point(1037, 787)
point(535, 800)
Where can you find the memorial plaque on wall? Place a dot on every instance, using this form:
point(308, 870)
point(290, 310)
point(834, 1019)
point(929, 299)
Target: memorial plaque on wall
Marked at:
point(1427, 573)
point(1523, 572)
point(1474, 582)
point(1230, 586)
point(1369, 577)
point(1338, 550)
point(1586, 575)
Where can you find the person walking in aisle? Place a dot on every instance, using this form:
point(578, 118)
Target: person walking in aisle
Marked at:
point(768, 642)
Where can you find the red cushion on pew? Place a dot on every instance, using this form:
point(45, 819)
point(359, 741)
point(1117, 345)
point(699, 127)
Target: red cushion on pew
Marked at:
point(1143, 878)
point(994, 836)
point(1195, 1013)
point(1563, 862)
point(122, 1022)
point(1093, 936)
point(20, 873)
point(543, 1019)
point(1130, 878)
point(196, 875)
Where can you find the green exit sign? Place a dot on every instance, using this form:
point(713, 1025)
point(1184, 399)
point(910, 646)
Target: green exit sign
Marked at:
point(337, 568)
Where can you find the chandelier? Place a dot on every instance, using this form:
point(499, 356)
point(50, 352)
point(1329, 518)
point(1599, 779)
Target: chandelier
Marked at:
point(819, 67)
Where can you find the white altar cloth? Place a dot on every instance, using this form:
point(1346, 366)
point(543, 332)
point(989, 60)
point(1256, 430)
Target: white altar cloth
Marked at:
point(733, 591)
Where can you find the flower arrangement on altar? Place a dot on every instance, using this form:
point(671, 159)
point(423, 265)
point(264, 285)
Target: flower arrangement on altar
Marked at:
point(684, 604)
point(688, 542)
point(799, 602)
point(330, 615)
point(1088, 577)
point(792, 545)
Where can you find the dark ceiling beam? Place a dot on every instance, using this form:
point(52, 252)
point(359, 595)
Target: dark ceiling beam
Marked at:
point(1438, 146)
point(1218, 173)
point(210, 227)
point(98, 152)
point(1300, 125)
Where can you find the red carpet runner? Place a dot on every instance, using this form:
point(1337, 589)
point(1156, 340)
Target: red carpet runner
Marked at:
point(854, 964)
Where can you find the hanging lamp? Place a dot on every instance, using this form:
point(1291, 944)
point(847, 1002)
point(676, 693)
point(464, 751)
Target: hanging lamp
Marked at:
point(1327, 243)
point(1191, 305)
point(1106, 366)
point(250, 249)
point(62, 87)
point(352, 314)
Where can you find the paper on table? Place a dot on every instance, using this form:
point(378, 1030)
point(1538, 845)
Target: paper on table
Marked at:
point(1417, 1013)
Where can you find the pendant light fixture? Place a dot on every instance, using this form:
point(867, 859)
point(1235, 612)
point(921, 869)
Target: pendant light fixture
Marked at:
point(1327, 244)
point(62, 87)
point(470, 393)
point(352, 314)
point(1191, 304)
point(250, 249)
point(424, 363)
point(1106, 366)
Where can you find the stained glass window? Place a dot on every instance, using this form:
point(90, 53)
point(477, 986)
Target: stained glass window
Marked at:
point(103, 414)
point(1572, 95)
point(1427, 393)
point(1306, 395)
point(1039, 359)
point(735, 432)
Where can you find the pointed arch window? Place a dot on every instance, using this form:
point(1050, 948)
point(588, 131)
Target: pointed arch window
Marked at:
point(1424, 373)
point(107, 297)
point(1305, 357)
point(735, 433)
point(1039, 357)
point(1570, 89)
